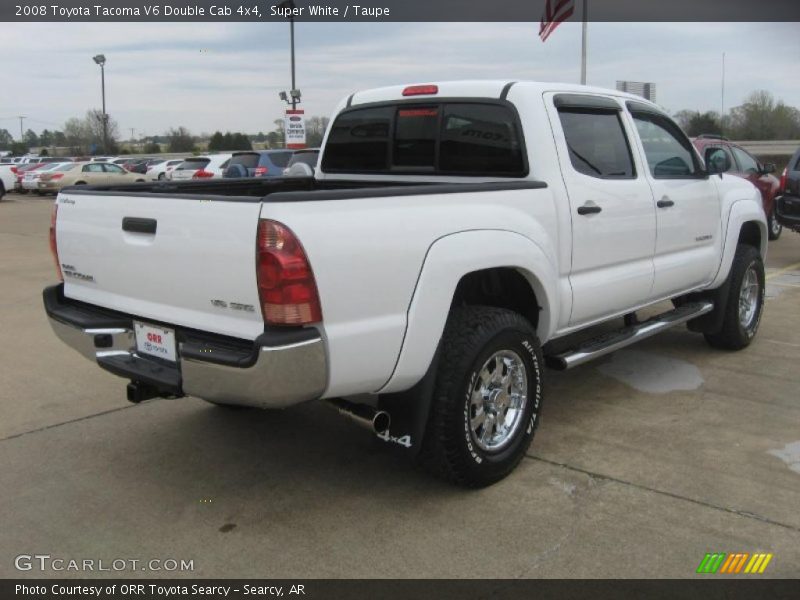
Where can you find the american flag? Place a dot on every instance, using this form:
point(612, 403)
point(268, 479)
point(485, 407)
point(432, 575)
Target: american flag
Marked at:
point(555, 13)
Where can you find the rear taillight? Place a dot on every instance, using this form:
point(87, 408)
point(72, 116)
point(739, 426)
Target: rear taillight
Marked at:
point(784, 176)
point(286, 285)
point(54, 242)
point(202, 174)
point(261, 171)
point(56, 176)
point(14, 170)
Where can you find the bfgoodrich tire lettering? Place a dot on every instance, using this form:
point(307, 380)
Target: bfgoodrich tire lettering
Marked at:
point(475, 338)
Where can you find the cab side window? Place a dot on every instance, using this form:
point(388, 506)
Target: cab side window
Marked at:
point(93, 168)
point(597, 143)
point(114, 169)
point(747, 163)
point(669, 152)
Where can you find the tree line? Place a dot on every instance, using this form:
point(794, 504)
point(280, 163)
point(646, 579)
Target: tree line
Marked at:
point(760, 117)
point(84, 136)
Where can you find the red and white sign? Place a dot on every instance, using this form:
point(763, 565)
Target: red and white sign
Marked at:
point(155, 341)
point(295, 128)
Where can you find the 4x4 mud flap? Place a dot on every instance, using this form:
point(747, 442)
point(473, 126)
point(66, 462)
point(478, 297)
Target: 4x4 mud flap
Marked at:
point(409, 411)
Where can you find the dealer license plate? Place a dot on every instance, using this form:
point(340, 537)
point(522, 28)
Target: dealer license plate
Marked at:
point(155, 341)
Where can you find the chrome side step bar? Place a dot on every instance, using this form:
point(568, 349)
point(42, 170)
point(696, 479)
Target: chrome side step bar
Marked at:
point(615, 340)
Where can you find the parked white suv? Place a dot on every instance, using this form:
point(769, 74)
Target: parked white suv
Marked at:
point(451, 234)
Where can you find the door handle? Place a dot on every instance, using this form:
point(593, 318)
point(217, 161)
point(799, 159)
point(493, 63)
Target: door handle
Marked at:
point(589, 209)
point(139, 225)
point(665, 203)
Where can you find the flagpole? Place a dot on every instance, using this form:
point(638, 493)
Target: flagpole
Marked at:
point(583, 42)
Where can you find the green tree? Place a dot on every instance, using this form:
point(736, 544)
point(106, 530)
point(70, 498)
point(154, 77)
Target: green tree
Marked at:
point(59, 139)
point(152, 148)
point(30, 138)
point(46, 138)
point(761, 117)
point(240, 141)
point(6, 139)
point(216, 142)
point(19, 148)
point(180, 140)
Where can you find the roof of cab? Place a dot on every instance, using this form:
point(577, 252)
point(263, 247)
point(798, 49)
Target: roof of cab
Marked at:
point(485, 89)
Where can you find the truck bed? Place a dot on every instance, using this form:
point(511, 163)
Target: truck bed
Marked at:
point(295, 189)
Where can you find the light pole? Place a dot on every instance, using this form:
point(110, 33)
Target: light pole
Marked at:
point(100, 59)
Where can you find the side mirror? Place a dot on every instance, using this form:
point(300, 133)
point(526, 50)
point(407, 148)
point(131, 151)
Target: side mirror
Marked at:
point(717, 162)
point(768, 168)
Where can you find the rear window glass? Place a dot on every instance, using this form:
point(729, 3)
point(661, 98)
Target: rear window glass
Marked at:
point(415, 137)
point(359, 140)
point(248, 161)
point(280, 159)
point(193, 164)
point(309, 158)
point(455, 138)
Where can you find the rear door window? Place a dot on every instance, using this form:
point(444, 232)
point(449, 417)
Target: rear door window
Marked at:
point(597, 143)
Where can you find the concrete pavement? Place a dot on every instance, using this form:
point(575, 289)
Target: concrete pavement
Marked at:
point(644, 461)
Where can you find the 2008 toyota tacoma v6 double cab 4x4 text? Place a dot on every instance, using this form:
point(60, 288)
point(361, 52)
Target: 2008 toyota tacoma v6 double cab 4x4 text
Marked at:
point(419, 279)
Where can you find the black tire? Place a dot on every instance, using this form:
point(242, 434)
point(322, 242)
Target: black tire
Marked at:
point(472, 336)
point(2, 190)
point(162, 176)
point(735, 335)
point(774, 228)
point(80, 183)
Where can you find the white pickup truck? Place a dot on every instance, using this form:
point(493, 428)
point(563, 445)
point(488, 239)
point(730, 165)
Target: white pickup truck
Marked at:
point(452, 236)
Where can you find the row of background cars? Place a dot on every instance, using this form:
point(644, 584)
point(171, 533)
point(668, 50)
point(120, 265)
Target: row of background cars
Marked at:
point(48, 175)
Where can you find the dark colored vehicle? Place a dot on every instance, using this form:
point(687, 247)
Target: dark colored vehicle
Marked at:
point(140, 165)
point(731, 158)
point(262, 163)
point(309, 156)
point(787, 205)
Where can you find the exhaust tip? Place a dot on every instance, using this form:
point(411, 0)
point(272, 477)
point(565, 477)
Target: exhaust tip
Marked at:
point(381, 422)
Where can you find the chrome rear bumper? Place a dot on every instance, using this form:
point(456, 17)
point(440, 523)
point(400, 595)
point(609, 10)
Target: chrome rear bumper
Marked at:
point(276, 376)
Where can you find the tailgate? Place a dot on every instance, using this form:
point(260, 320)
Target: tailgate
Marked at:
point(196, 270)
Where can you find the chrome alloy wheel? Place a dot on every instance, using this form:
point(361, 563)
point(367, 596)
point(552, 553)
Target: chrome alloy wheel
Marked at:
point(498, 400)
point(748, 297)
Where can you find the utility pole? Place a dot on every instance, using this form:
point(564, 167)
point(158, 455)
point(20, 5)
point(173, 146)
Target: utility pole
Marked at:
point(21, 136)
point(100, 60)
point(291, 36)
point(584, 34)
point(722, 101)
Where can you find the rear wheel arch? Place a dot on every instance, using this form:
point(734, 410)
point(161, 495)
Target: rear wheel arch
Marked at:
point(499, 287)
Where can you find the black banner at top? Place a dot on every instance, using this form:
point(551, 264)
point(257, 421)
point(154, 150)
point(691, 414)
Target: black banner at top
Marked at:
point(397, 10)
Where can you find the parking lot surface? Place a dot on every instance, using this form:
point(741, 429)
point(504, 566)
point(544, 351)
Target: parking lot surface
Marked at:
point(644, 461)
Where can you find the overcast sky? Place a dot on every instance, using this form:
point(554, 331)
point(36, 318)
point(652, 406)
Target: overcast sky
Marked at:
point(227, 76)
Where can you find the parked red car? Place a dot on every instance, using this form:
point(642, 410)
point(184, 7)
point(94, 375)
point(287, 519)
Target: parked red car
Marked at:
point(733, 159)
